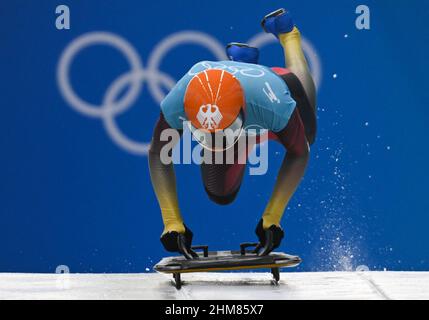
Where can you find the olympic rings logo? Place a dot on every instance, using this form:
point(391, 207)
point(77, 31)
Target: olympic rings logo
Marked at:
point(134, 79)
point(251, 72)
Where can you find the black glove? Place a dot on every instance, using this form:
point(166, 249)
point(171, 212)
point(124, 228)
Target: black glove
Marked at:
point(269, 239)
point(179, 242)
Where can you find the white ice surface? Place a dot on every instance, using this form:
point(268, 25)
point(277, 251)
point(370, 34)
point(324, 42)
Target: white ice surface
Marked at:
point(253, 286)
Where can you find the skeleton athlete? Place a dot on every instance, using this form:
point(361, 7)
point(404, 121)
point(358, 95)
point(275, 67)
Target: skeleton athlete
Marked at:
point(218, 98)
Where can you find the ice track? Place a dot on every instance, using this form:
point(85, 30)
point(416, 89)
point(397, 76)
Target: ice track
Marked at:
point(253, 286)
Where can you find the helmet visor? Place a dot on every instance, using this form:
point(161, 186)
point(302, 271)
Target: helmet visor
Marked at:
point(220, 140)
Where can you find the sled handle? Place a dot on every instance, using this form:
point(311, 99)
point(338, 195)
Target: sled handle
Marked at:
point(246, 245)
point(204, 248)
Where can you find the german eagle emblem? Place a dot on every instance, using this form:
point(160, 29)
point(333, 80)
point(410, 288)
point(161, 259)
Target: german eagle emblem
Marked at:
point(209, 116)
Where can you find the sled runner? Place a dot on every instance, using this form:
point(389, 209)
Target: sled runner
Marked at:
point(226, 261)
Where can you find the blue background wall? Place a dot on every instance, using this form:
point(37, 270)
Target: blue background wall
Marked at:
point(70, 195)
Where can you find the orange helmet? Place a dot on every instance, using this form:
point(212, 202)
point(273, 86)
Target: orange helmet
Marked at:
point(214, 105)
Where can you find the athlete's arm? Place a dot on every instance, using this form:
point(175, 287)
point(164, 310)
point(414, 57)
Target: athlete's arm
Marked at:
point(164, 181)
point(176, 237)
point(291, 171)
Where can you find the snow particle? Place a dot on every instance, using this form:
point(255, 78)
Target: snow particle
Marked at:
point(346, 36)
point(335, 76)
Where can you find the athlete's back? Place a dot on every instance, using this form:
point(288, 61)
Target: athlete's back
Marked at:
point(269, 103)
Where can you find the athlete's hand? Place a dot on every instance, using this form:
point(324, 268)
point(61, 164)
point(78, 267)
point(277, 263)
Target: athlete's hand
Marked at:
point(174, 241)
point(269, 239)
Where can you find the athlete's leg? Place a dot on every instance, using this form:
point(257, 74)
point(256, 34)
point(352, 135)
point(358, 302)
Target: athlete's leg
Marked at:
point(242, 52)
point(296, 62)
point(222, 180)
point(281, 25)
